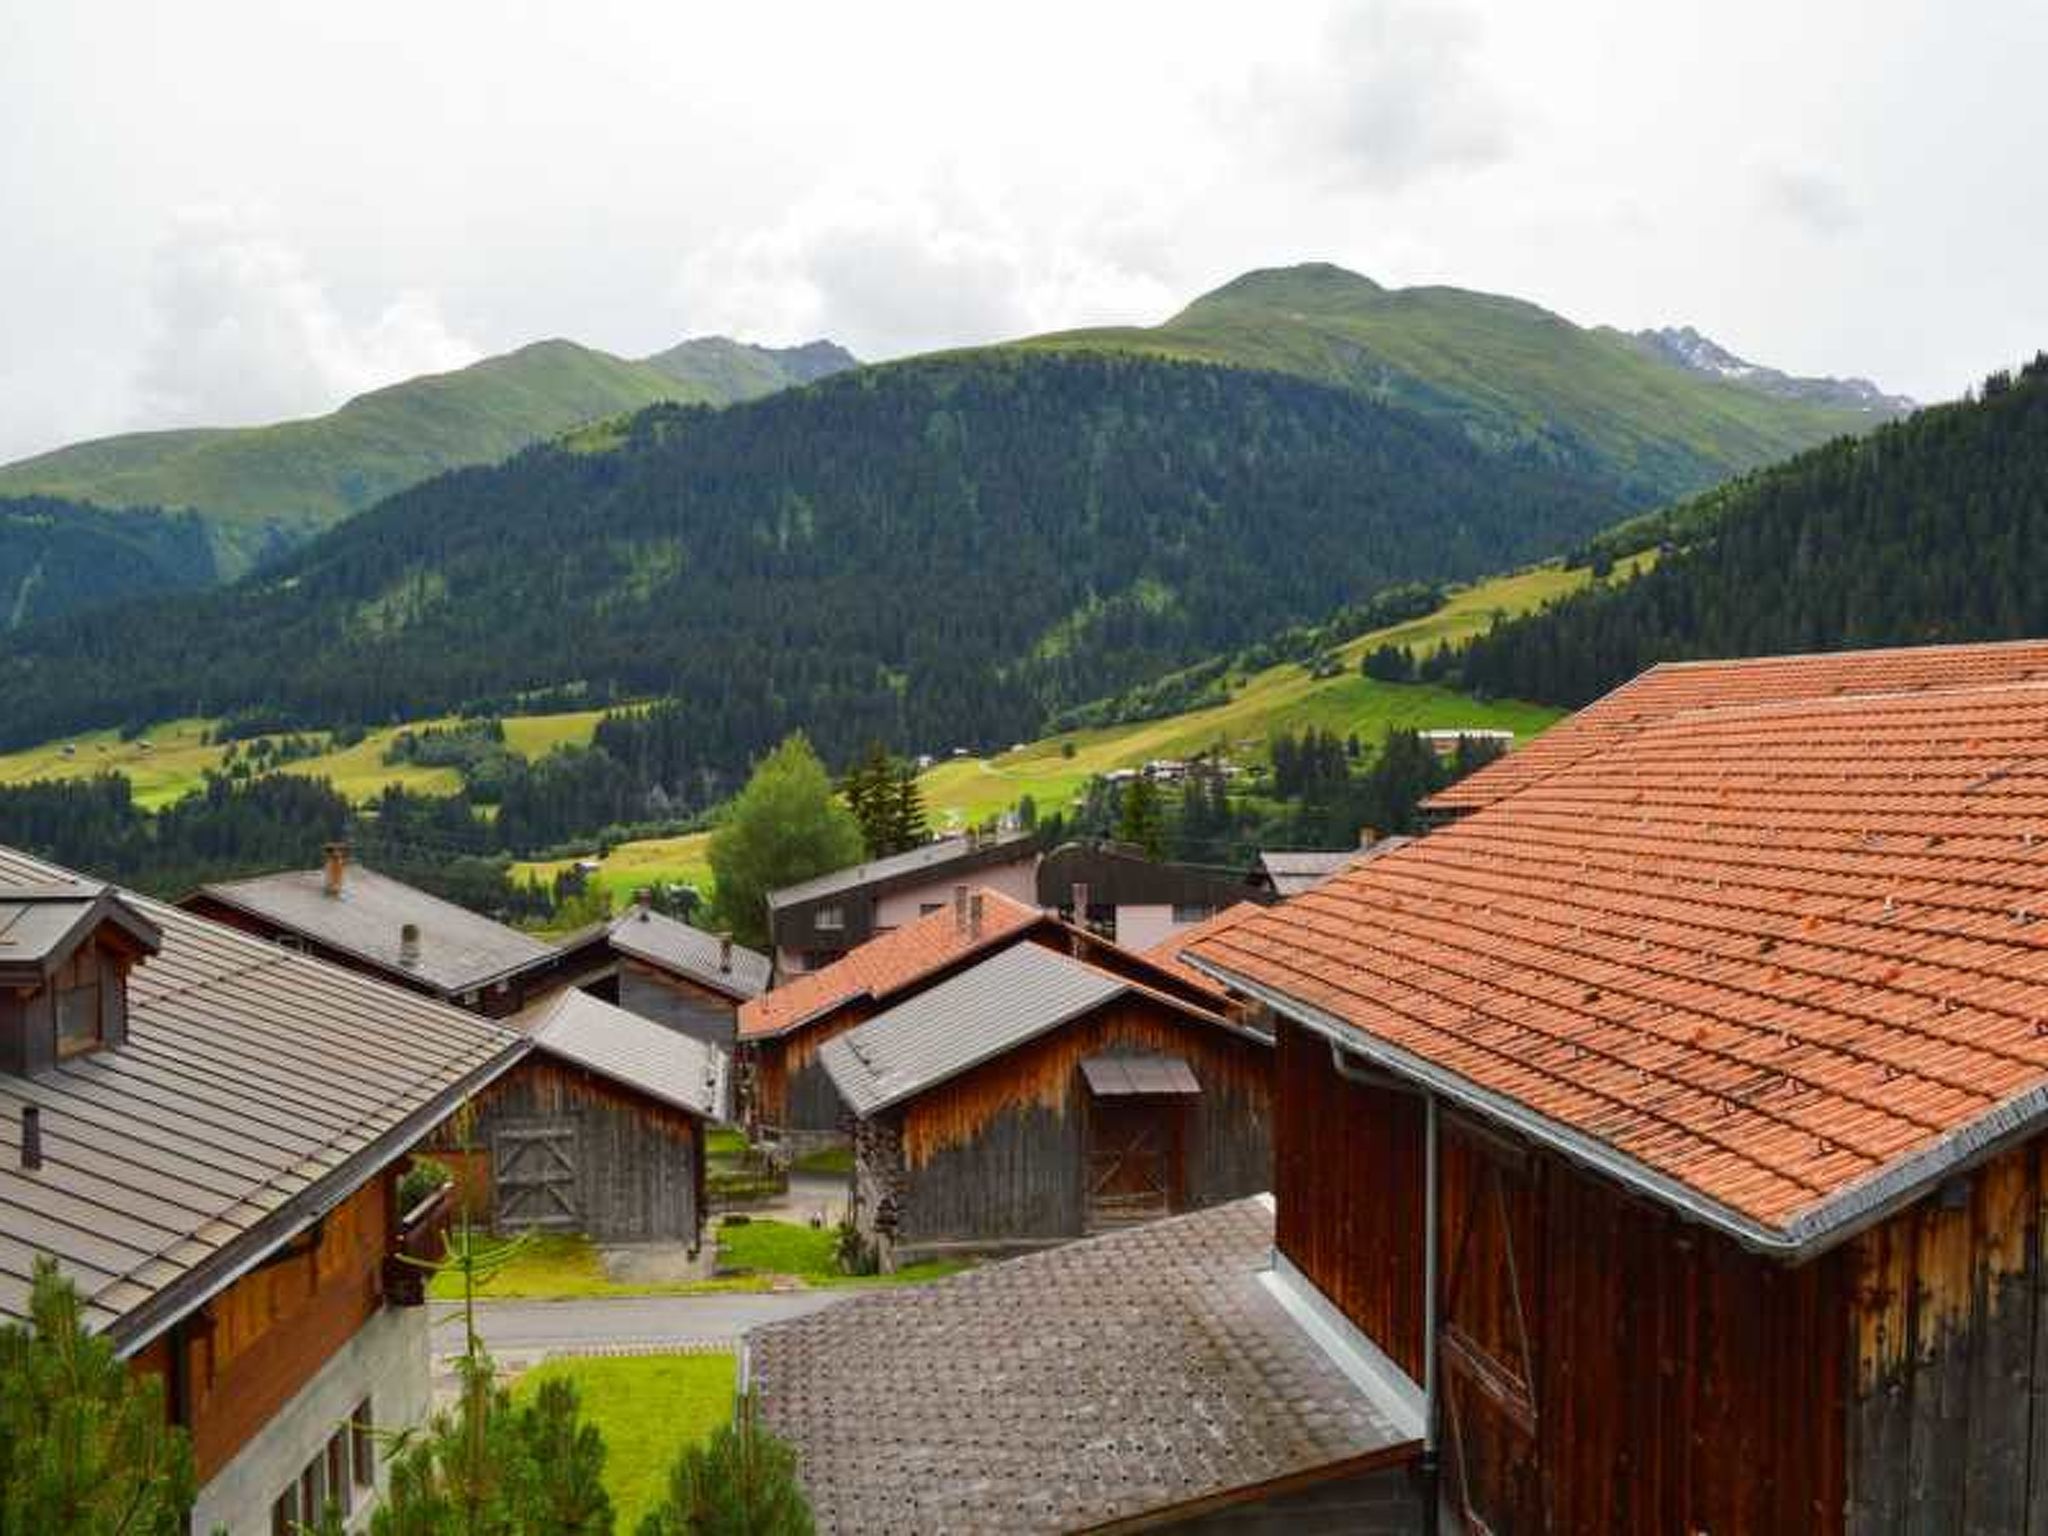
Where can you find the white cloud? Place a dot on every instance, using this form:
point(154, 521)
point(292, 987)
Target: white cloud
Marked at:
point(243, 331)
point(1392, 96)
point(889, 273)
point(1815, 202)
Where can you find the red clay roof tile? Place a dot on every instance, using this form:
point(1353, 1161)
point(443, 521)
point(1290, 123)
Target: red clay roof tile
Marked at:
point(1765, 950)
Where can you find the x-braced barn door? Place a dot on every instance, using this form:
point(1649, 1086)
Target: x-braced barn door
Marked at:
point(534, 1171)
point(1133, 1161)
point(1489, 1367)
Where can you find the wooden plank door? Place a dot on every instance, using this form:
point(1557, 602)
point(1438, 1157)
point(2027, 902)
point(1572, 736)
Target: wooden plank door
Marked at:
point(1491, 1425)
point(534, 1172)
point(1133, 1161)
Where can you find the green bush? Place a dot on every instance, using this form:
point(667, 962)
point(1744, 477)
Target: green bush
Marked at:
point(421, 1179)
point(741, 1483)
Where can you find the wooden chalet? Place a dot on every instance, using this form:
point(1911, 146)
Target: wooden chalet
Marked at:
point(600, 1130)
point(1668, 1127)
point(788, 1097)
point(818, 921)
point(353, 916)
point(205, 1132)
point(683, 977)
point(1034, 1098)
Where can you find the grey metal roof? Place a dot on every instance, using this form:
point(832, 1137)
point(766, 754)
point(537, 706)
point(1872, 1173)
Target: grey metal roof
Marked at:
point(459, 949)
point(651, 1058)
point(930, 859)
point(1119, 1377)
point(1013, 996)
point(1117, 1077)
point(1294, 870)
point(258, 1089)
point(676, 946)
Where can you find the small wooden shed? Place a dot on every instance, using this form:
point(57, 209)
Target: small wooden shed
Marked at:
point(599, 1130)
point(681, 976)
point(1036, 1098)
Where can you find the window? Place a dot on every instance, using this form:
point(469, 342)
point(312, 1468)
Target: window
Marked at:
point(363, 1444)
point(313, 1489)
point(284, 1514)
point(829, 919)
point(340, 1480)
point(1185, 912)
point(927, 908)
point(77, 995)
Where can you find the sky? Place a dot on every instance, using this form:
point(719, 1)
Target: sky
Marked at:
point(240, 210)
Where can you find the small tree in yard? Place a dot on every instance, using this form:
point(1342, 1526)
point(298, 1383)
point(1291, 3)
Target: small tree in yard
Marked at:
point(741, 1482)
point(785, 826)
point(85, 1445)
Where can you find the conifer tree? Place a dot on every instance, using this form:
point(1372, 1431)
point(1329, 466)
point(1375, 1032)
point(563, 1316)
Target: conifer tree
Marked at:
point(742, 1482)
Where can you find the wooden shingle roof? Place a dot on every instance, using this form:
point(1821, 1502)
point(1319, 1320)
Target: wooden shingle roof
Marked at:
point(1786, 962)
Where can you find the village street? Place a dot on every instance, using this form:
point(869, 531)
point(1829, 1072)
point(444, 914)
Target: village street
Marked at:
point(532, 1328)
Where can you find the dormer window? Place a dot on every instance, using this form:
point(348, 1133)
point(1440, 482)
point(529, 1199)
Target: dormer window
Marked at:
point(830, 919)
point(66, 948)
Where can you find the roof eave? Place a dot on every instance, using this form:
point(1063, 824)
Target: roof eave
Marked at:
point(136, 1328)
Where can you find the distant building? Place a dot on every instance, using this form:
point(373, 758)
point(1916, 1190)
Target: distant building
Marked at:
point(1035, 1097)
point(206, 1133)
point(682, 976)
point(1290, 871)
point(1139, 903)
point(817, 921)
point(1445, 742)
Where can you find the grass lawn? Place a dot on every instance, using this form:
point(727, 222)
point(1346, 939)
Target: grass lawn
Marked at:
point(832, 1160)
point(809, 1254)
point(655, 861)
point(647, 1407)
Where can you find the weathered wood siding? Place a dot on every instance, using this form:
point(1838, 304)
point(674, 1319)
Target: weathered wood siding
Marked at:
point(1948, 1429)
point(789, 1091)
point(638, 1161)
point(231, 1366)
point(680, 1004)
point(998, 1155)
point(1607, 1368)
point(1348, 1172)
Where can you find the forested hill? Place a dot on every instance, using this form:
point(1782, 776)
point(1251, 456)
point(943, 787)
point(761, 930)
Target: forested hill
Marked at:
point(257, 485)
point(58, 557)
point(936, 552)
point(1513, 376)
point(1931, 529)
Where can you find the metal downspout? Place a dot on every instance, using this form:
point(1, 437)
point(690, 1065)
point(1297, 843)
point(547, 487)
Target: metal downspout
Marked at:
point(1431, 1470)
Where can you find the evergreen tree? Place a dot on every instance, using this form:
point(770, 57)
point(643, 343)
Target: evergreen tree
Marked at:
point(85, 1444)
point(868, 789)
point(908, 826)
point(785, 826)
point(1142, 820)
point(742, 1482)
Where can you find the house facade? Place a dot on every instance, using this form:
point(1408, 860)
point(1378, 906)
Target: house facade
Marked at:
point(1134, 901)
point(206, 1133)
point(815, 923)
point(1035, 1098)
point(1669, 1124)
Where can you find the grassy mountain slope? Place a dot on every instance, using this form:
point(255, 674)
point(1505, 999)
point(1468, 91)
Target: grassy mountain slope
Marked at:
point(1931, 529)
point(944, 550)
point(1516, 377)
point(260, 484)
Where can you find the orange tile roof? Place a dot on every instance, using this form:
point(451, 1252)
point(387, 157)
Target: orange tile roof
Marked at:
point(1791, 958)
point(885, 965)
point(1675, 687)
point(1166, 954)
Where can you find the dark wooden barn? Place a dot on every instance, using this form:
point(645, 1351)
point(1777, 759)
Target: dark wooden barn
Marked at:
point(1670, 1124)
point(599, 1130)
point(1035, 1098)
point(683, 977)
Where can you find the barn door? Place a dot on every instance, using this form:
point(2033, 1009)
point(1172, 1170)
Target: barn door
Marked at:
point(1488, 1361)
point(534, 1173)
point(1133, 1161)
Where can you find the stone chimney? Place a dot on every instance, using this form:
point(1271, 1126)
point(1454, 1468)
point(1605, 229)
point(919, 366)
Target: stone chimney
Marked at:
point(974, 916)
point(643, 902)
point(1367, 837)
point(960, 908)
point(725, 954)
point(31, 1137)
point(409, 945)
point(1080, 901)
point(335, 857)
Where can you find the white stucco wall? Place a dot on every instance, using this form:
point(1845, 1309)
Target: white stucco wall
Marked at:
point(1141, 927)
point(1018, 880)
point(387, 1362)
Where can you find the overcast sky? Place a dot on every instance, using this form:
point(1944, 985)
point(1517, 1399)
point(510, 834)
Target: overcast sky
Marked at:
point(237, 210)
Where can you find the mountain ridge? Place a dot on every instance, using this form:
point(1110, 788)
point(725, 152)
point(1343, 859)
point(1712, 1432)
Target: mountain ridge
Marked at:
point(1689, 348)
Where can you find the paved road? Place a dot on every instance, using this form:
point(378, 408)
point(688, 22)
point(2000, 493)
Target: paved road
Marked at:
point(634, 1322)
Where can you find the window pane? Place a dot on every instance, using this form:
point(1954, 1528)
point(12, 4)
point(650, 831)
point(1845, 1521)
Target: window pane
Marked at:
point(284, 1514)
point(340, 1485)
point(364, 1444)
point(78, 1018)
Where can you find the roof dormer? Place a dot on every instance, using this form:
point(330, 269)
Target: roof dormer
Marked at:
point(66, 949)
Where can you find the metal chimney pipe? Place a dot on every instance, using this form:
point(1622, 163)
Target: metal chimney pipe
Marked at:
point(31, 1137)
point(335, 857)
point(725, 953)
point(1080, 900)
point(409, 944)
point(974, 916)
point(960, 908)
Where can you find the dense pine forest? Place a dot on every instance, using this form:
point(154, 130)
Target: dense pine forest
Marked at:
point(62, 557)
point(941, 552)
point(1930, 529)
